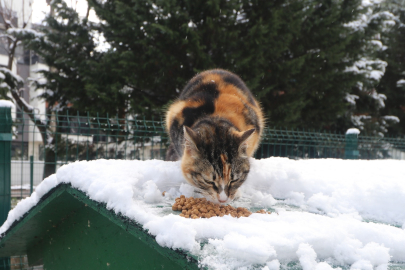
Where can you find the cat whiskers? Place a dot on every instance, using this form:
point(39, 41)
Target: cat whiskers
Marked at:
point(204, 193)
point(199, 190)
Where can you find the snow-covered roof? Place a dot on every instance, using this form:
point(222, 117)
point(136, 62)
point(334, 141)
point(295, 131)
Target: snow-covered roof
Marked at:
point(326, 212)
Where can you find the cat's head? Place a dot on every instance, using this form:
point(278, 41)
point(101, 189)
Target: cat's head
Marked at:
point(215, 161)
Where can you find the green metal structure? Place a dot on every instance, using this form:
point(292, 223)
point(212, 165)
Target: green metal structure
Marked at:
point(5, 158)
point(67, 230)
point(351, 147)
point(5, 168)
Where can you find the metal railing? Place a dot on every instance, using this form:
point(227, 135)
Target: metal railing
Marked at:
point(298, 144)
point(84, 137)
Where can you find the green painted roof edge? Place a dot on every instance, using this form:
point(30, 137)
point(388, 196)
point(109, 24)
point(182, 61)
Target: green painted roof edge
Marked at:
point(48, 197)
point(182, 258)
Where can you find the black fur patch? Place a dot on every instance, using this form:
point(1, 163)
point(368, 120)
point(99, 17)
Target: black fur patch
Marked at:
point(192, 114)
point(189, 88)
point(207, 93)
point(207, 90)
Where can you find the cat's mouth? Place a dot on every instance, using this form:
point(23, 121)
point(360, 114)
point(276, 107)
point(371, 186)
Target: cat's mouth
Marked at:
point(216, 199)
point(223, 201)
point(223, 197)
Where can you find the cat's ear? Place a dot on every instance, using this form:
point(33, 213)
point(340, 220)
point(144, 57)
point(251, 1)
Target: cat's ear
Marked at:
point(191, 139)
point(246, 135)
point(243, 140)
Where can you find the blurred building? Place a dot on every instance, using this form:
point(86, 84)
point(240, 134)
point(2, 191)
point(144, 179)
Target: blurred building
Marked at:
point(27, 140)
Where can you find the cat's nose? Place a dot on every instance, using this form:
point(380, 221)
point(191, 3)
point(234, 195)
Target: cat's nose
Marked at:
point(222, 197)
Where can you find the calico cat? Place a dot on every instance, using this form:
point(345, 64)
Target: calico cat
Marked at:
point(215, 126)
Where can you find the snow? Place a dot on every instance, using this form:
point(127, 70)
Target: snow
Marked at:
point(16, 77)
point(392, 118)
point(191, 24)
point(367, 16)
point(401, 83)
point(367, 67)
point(23, 31)
point(379, 44)
point(351, 98)
point(326, 212)
point(353, 131)
point(379, 98)
point(6, 103)
point(357, 120)
point(367, 3)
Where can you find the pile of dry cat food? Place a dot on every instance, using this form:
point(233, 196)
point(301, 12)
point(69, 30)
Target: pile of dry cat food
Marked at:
point(201, 208)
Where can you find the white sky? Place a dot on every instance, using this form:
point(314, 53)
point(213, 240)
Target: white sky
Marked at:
point(40, 8)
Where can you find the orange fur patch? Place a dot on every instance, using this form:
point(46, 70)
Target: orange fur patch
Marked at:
point(226, 169)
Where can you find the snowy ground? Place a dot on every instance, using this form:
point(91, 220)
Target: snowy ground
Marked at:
point(326, 213)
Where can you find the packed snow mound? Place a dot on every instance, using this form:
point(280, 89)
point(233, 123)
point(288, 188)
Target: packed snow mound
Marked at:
point(326, 213)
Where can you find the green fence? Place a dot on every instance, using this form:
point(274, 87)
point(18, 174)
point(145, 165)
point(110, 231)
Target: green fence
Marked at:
point(298, 144)
point(5, 167)
point(77, 137)
point(84, 137)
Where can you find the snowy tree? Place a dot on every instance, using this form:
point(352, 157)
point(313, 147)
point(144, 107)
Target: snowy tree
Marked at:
point(366, 104)
point(392, 83)
point(312, 63)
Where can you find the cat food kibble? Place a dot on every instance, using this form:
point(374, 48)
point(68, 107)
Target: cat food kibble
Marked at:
point(201, 208)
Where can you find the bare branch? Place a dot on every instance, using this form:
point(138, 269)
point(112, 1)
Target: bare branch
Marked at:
point(31, 113)
point(88, 12)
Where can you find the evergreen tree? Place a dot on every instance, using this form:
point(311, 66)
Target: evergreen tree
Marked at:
point(310, 87)
point(366, 111)
point(311, 63)
point(392, 83)
point(158, 45)
point(302, 59)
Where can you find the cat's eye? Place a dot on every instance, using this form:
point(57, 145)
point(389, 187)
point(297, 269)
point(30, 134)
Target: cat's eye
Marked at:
point(236, 176)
